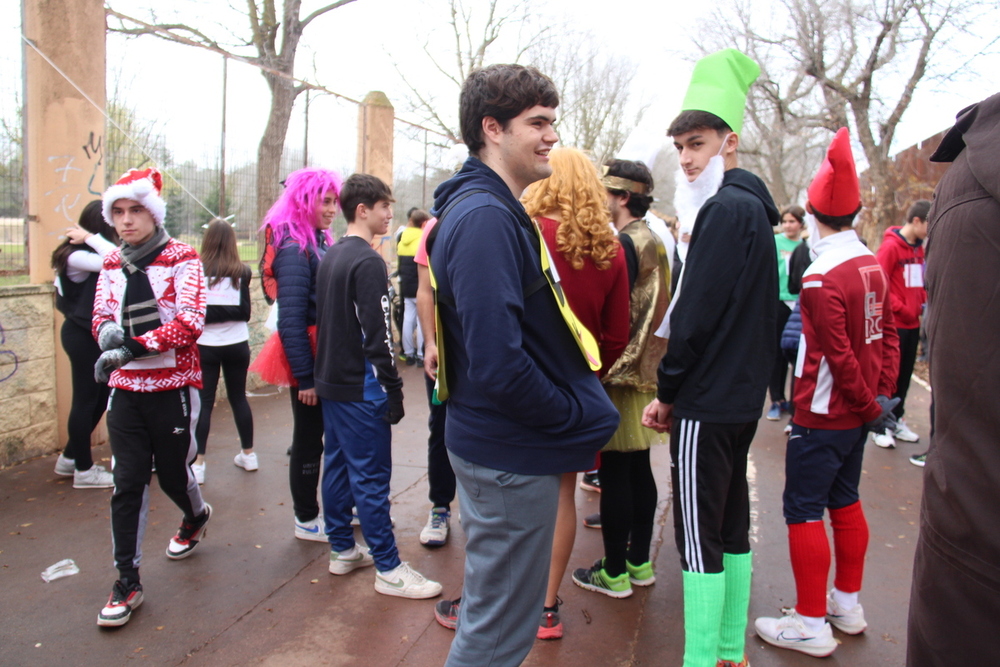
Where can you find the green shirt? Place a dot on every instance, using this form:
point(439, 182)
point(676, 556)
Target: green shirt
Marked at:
point(785, 246)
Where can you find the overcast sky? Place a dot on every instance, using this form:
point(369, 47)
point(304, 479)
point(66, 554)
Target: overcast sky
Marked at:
point(352, 51)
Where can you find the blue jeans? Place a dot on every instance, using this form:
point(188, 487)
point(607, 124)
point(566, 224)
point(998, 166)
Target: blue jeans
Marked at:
point(822, 469)
point(357, 461)
point(509, 520)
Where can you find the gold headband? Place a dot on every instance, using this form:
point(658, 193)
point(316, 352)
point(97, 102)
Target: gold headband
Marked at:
point(619, 183)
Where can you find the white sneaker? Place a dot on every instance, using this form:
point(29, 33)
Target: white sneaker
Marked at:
point(246, 461)
point(199, 472)
point(435, 533)
point(884, 440)
point(904, 433)
point(790, 632)
point(95, 478)
point(405, 582)
point(347, 562)
point(65, 467)
point(849, 621)
point(314, 531)
point(788, 428)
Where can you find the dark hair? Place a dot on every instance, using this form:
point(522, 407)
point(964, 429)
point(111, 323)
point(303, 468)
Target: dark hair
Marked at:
point(418, 217)
point(795, 211)
point(691, 120)
point(838, 222)
point(363, 189)
point(634, 171)
point(92, 220)
point(501, 92)
point(219, 254)
point(919, 209)
point(409, 214)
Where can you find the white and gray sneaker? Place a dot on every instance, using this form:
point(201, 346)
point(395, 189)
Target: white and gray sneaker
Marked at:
point(884, 439)
point(246, 461)
point(95, 478)
point(313, 530)
point(65, 467)
point(345, 562)
point(904, 433)
point(405, 582)
point(435, 533)
point(849, 621)
point(792, 633)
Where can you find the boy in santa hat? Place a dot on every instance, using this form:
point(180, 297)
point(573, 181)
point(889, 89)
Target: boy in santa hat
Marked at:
point(846, 372)
point(149, 311)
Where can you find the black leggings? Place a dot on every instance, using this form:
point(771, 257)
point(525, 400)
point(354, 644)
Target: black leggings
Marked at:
point(232, 360)
point(628, 507)
point(90, 398)
point(307, 453)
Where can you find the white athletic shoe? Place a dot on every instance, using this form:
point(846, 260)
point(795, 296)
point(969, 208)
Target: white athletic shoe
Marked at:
point(65, 467)
point(435, 533)
point(199, 472)
point(95, 478)
point(314, 531)
point(790, 632)
point(849, 621)
point(405, 582)
point(348, 561)
point(904, 433)
point(884, 440)
point(246, 461)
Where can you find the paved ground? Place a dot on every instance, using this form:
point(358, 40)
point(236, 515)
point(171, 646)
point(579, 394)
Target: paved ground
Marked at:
point(252, 594)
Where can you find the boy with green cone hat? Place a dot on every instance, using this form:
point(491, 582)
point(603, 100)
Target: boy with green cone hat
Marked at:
point(712, 380)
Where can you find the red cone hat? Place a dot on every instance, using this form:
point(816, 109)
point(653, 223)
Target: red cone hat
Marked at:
point(835, 189)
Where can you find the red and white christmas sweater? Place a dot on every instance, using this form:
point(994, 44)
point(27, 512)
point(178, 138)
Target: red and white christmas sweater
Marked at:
point(848, 350)
point(179, 286)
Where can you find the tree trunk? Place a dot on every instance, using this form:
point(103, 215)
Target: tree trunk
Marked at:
point(272, 143)
point(885, 212)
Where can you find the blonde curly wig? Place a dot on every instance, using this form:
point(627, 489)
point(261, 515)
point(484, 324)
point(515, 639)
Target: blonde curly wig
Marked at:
point(575, 193)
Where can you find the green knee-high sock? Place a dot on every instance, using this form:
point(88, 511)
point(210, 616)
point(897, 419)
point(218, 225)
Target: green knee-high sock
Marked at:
point(704, 595)
point(732, 637)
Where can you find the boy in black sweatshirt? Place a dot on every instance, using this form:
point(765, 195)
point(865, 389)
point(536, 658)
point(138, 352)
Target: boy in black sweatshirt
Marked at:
point(361, 393)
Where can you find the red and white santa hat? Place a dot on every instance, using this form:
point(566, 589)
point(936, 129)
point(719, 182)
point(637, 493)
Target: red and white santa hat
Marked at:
point(144, 186)
point(835, 190)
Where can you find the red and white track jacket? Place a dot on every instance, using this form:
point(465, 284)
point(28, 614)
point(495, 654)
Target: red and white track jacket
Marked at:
point(179, 286)
point(849, 350)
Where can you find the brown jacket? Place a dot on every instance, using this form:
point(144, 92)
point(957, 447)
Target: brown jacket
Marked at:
point(955, 599)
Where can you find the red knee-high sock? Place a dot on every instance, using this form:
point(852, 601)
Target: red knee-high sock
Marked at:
point(850, 543)
point(810, 552)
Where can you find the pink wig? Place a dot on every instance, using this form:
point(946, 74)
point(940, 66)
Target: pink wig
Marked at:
point(294, 214)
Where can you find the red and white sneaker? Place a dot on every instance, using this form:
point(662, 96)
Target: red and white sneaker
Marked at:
point(188, 536)
point(123, 601)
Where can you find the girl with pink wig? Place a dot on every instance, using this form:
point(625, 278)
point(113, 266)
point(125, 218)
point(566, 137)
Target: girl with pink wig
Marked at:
point(296, 231)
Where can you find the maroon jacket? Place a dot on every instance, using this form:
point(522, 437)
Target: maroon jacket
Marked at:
point(904, 265)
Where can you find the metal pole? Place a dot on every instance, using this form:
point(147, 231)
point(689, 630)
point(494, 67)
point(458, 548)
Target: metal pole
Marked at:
point(423, 190)
point(305, 137)
point(222, 150)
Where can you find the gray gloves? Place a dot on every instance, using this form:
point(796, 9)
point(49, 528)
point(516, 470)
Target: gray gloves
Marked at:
point(395, 409)
point(110, 336)
point(111, 361)
point(886, 419)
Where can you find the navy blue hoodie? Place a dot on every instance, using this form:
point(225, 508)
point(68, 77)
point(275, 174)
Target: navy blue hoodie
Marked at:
point(523, 400)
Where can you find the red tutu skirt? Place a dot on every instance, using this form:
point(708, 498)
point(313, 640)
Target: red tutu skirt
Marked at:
point(271, 363)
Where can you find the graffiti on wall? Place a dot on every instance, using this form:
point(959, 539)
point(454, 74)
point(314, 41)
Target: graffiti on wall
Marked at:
point(6, 357)
point(68, 175)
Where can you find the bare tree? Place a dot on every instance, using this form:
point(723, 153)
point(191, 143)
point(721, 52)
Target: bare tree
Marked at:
point(834, 63)
point(274, 40)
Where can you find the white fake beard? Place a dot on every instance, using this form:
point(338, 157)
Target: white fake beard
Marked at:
point(689, 197)
point(814, 238)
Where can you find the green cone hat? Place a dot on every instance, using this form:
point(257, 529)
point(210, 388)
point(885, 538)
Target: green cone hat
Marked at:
point(719, 85)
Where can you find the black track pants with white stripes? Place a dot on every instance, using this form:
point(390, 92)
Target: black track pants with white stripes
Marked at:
point(711, 501)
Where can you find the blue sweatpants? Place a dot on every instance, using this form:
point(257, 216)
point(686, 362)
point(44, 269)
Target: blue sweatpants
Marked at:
point(357, 461)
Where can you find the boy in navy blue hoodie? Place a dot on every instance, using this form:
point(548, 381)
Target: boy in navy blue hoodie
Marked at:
point(361, 393)
point(524, 405)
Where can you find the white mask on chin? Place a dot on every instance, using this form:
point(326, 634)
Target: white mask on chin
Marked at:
point(690, 196)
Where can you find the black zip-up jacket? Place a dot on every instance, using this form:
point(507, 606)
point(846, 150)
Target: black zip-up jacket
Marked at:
point(352, 322)
point(721, 349)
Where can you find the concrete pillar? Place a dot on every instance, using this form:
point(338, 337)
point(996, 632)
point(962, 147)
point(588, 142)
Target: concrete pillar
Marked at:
point(64, 135)
point(375, 136)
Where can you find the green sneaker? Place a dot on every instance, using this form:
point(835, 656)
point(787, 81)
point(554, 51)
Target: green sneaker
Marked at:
point(597, 580)
point(641, 575)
